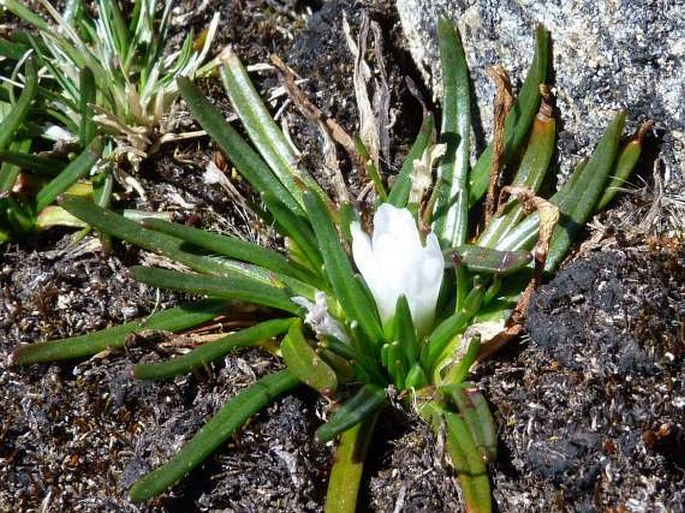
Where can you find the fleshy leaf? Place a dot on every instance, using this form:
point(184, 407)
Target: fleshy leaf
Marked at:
point(364, 403)
point(174, 320)
point(519, 118)
point(450, 215)
point(305, 364)
point(210, 351)
point(348, 291)
point(214, 433)
point(237, 287)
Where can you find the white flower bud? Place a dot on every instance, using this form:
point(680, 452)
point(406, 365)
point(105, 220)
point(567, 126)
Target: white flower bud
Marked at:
point(394, 262)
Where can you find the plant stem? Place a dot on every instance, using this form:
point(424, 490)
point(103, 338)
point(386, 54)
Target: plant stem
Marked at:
point(343, 486)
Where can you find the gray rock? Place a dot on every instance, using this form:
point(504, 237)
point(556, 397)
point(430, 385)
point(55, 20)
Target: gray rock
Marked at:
point(607, 55)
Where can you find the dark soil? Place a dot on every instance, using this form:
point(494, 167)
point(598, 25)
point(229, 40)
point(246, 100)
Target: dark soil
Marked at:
point(590, 411)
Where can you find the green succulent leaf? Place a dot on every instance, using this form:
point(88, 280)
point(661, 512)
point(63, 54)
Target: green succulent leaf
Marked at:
point(263, 131)
point(399, 195)
point(10, 168)
point(348, 291)
point(232, 416)
point(364, 403)
point(233, 247)
point(173, 320)
point(450, 215)
point(467, 462)
point(475, 412)
point(80, 167)
point(524, 234)
point(211, 351)
point(348, 464)
point(485, 260)
point(37, 164)
point(13, 50)
point(518, 120)
point(623, 167)
point(449, 329)
point(405, 333)
point(457, 374)
point(251, 166)
point(364, 367)
point(87, 97)
point(580, 203)
point(176, 249)
point(13, 120)
point(298, 229)
point(576, 199)
point(236, 287)
point(530, 174)
point(14, 218)
point(304, 362)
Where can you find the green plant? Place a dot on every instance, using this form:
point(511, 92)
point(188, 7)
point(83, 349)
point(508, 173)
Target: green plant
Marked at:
point(429, 300)
point(19, 215)
point(85, 77)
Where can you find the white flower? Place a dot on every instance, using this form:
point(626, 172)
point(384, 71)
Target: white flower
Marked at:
point(318, 317)
point(394, 262)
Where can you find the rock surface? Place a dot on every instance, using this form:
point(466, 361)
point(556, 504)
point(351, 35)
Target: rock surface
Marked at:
point(607, 55)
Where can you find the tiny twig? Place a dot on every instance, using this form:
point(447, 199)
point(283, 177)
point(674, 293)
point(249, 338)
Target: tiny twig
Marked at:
point(549, 216)
point(328, 126)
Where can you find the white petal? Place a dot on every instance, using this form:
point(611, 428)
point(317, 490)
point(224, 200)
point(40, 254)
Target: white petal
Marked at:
point(394, 262)
point(362, 252)
point(398, 221)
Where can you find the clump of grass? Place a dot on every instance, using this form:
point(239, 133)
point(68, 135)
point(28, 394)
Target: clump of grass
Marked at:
point(97, 85)
point(401, 315)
